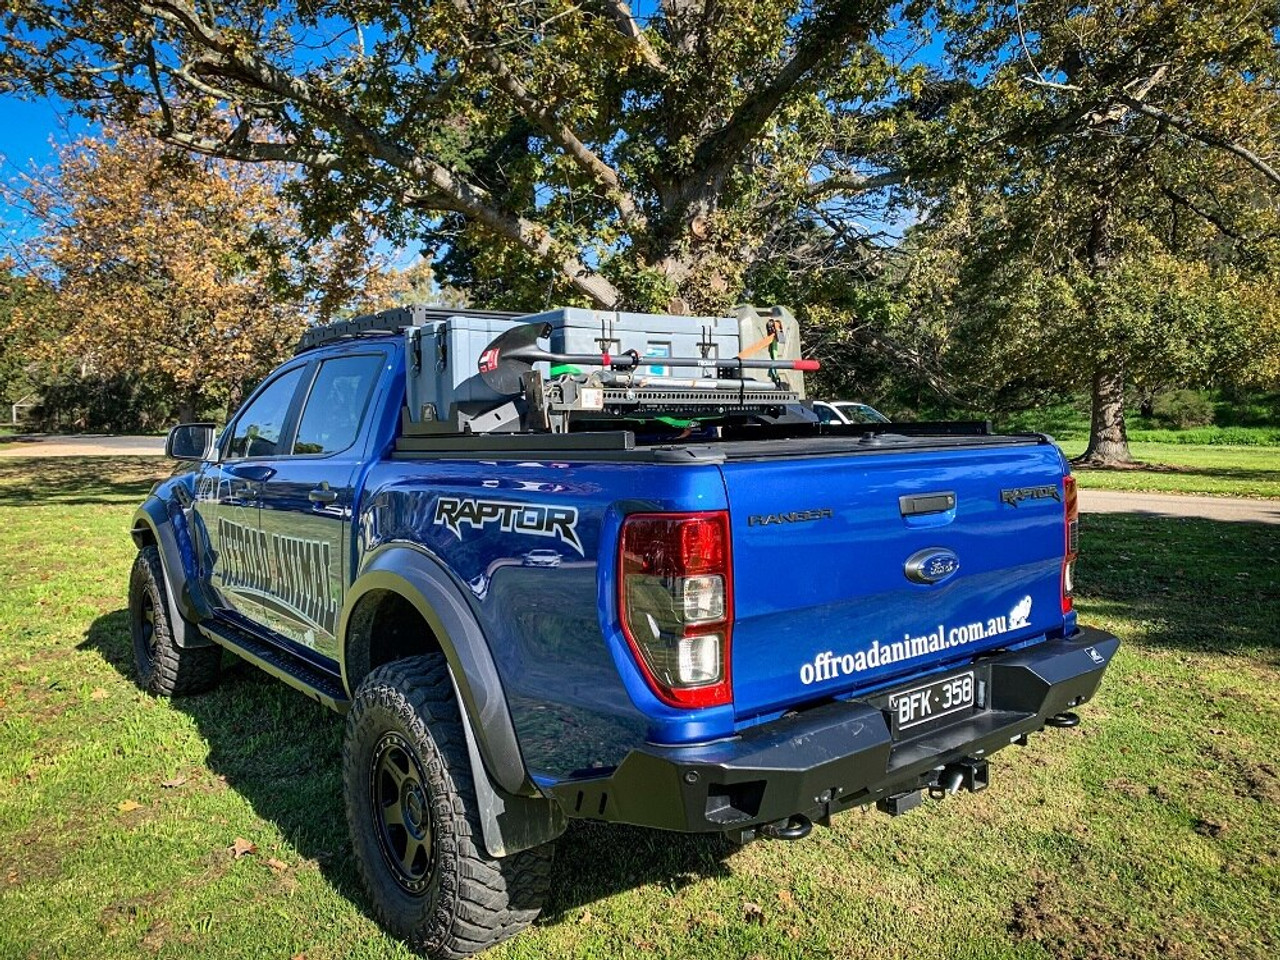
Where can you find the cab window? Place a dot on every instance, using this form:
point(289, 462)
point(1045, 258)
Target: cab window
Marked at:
point(258, 430)
point(336, 405)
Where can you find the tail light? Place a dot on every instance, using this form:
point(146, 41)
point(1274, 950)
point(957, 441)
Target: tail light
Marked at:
point(675, 598)
point(1071, 511)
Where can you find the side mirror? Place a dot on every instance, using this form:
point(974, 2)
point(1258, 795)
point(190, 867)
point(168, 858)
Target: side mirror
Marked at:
point(189, 441)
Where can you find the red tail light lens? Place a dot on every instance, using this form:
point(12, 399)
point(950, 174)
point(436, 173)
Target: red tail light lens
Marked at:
point(675, 597)
point(1071, 511)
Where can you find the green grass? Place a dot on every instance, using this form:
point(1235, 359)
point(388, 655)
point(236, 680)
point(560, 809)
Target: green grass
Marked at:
point(1170, 468)
point(1149, 831)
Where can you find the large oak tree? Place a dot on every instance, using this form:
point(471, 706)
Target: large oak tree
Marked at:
point(1136, 236)
point(559, 145)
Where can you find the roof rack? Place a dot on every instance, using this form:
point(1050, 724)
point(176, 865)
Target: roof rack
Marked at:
point(391, 321)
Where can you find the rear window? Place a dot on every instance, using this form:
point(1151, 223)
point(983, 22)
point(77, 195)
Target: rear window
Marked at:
point(336, 405)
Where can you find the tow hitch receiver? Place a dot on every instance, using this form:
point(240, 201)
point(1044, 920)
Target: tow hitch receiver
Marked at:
point(968, 774)
point(900, 803)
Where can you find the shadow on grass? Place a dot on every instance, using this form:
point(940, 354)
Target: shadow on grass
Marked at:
point(1251, 474)
point(31, 481)
point(1204, 586)
point(282, 752)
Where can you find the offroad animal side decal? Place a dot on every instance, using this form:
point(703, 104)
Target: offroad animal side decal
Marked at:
point(534, 519)
point(288, 572)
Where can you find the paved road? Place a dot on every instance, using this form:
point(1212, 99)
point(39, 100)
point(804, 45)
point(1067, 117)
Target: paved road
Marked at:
point(82, 445)
point(1178, 505)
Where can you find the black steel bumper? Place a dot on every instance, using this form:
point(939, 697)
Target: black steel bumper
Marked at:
point(828, 758)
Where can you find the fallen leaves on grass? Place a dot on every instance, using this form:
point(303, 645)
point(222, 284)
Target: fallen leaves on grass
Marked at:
point(753, 912)
point(99, 694)
point(278, 866)
point(128, 806)
point(172, 784)
point(242, 848)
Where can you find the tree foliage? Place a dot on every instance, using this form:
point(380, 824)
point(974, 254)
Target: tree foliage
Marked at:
point(1134, 238)
point(20, 296)
point(1093, 187)
point(559, 149)
point(173, 272)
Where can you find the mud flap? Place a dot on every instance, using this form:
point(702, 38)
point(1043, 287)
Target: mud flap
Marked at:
point(509, 823)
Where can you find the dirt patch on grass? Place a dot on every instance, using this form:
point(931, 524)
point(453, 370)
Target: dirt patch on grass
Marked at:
point(1258, 780)
point(1069, 930)
point(30, 856)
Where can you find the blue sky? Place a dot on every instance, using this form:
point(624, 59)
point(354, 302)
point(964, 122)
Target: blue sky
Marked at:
point(27, 131)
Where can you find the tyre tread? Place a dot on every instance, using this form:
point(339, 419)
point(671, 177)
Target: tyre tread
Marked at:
point(176, 671)
point(493, 898)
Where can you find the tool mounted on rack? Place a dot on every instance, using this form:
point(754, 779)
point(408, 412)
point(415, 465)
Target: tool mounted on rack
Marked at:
point(619, 390)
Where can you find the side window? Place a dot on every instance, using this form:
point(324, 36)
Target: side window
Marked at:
point(258, 428)
point(335, 407)
point(825, 413)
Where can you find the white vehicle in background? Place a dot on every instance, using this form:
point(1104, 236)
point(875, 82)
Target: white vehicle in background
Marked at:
point(846, 411)
point(541, 558)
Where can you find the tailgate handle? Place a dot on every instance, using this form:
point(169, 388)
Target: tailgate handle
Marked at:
point(921, 503)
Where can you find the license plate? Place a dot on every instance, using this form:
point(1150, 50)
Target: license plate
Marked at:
point(915, 709)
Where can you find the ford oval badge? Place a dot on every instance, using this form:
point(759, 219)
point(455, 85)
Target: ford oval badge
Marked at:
point(932, 565)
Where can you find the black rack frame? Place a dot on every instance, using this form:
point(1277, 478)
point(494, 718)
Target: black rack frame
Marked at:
point(392, 321)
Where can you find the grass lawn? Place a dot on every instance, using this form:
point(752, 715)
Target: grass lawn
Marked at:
point(1153, 830)
point(1186, 468)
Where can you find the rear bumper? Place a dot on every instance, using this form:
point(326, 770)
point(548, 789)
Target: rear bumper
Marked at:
point(837, 755)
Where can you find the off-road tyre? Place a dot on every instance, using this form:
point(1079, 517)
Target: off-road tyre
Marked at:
point(451, 899)
point(163, 668)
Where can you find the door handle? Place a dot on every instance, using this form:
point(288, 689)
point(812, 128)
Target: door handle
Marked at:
point(250, 472)
point(323, 495)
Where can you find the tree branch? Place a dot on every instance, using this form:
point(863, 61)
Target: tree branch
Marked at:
point(824, 35)
point(240, 63)
point(620, 13)
point(1218, 222)
point(852, 183)
point(1197, 131)
point(542, 117)
point(256, 151)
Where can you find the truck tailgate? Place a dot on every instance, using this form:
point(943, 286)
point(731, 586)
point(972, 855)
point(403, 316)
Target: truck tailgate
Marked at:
point(825, 603)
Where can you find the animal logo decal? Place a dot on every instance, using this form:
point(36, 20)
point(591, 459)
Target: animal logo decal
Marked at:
point(1020, 615)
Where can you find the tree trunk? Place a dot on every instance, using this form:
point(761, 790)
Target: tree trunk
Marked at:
point(189, 406)
point(1108, 439)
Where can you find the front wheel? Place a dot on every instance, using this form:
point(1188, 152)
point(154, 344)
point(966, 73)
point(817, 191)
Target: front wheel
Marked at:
point(411, 809)
point(164, 668)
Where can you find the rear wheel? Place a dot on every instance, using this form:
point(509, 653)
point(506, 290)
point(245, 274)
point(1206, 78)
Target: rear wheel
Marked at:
point(163, 667)
point(411, 809)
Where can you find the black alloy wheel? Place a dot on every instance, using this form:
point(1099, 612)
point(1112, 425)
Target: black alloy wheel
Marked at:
point(402, 812)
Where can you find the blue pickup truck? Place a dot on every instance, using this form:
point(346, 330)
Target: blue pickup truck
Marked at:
point(737, 624)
